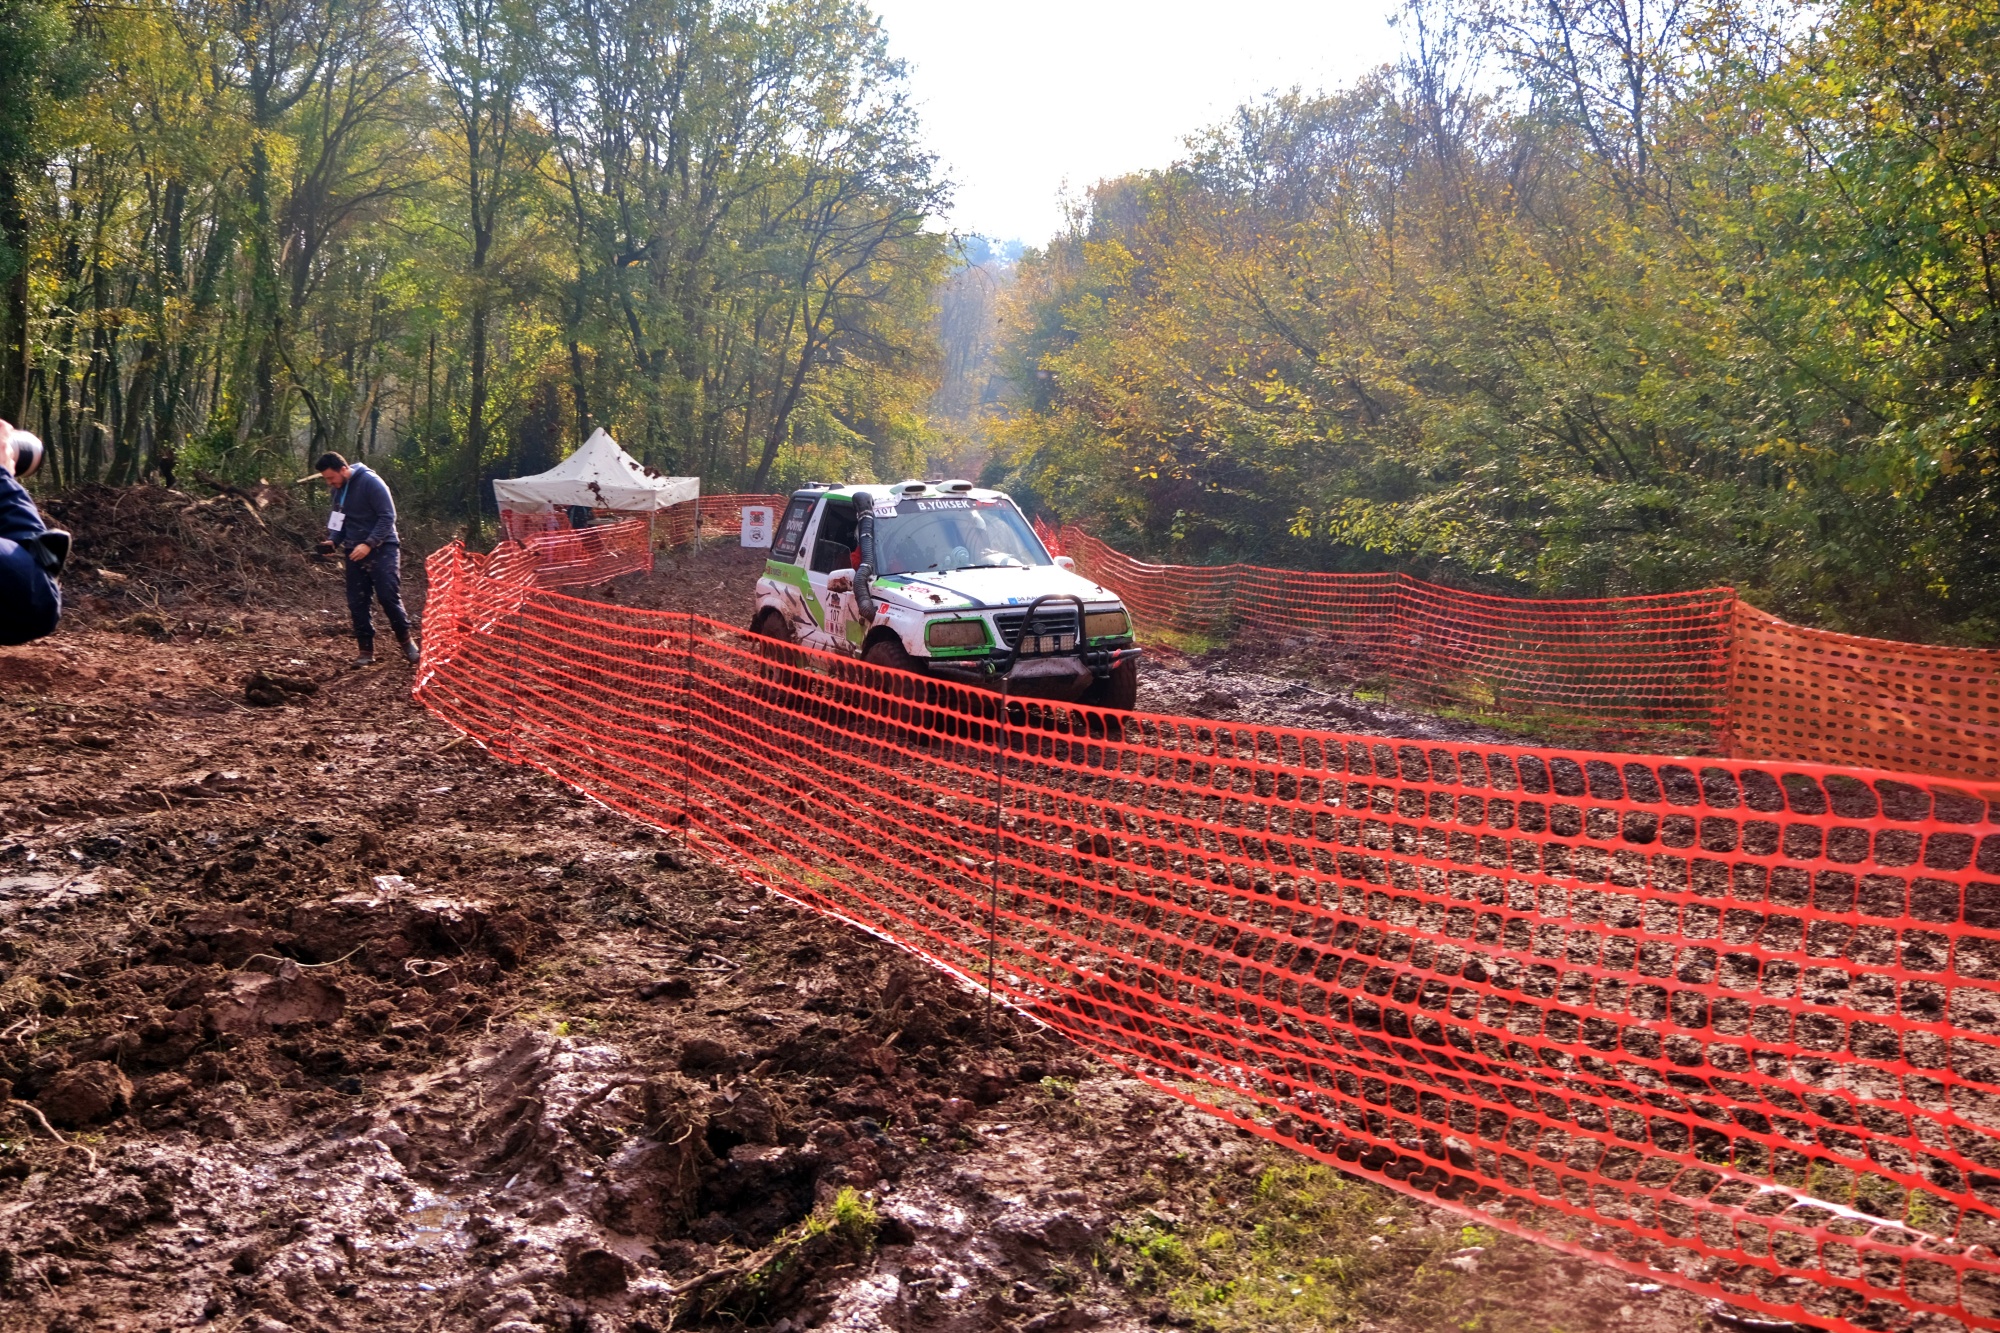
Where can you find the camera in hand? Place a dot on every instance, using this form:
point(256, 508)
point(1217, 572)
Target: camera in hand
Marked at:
point(28, 453)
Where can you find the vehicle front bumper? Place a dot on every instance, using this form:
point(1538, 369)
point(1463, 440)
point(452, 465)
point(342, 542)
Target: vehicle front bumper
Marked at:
point(1064, 676)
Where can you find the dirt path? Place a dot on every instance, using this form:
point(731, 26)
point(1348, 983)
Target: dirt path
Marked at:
point(342, 1024)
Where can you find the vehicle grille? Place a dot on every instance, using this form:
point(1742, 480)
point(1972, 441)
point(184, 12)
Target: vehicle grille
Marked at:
point(1054, 630)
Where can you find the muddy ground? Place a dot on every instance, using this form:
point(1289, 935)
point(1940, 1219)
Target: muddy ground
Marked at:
point(315, 1017)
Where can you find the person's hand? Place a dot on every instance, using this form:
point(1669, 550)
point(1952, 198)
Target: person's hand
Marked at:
point(359, 553)
point(6, 447)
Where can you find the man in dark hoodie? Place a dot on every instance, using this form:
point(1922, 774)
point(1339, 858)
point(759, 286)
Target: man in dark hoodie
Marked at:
point(31, 557)
point(362, 526)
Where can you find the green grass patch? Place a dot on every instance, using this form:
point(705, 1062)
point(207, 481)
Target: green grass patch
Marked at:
point(1299, 1247)
point(1194, 645)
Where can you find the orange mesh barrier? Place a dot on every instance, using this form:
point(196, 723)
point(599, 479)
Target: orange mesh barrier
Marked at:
point(573, 556)
point(1735, 1025)
point(519, 525)
point(1840, 699)
point(1722, 674)
point(672, 526)
point(720, 515)
point(1654, 666)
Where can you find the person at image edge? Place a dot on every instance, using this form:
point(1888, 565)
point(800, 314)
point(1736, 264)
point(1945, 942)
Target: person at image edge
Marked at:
point(30, 596)
point(362, 527)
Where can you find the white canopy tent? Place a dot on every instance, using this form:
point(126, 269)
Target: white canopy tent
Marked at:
point(600, 475)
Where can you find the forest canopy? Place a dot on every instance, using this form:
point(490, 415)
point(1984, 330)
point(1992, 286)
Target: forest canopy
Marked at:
point(456, 235)
point(1584, 297)
point(1580, 297)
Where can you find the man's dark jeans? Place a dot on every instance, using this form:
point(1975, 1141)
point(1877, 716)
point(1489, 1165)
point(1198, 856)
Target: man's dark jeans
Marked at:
point(380, 576)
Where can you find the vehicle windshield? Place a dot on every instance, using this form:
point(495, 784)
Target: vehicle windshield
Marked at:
point(937, 536)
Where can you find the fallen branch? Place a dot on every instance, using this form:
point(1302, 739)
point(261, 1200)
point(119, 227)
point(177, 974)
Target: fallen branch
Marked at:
point(41, 1122)
point(332, 962)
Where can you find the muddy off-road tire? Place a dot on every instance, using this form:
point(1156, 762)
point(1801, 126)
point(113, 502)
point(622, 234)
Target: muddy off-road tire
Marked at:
point(915, 693)
point(890, 653)
point(1118, 690)
point(776, 633)
point(782, 660)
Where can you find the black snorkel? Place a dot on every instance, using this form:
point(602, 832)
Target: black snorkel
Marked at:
point(864, 572)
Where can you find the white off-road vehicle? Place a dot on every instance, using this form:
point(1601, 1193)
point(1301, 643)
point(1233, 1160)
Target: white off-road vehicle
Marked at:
point(941, 578)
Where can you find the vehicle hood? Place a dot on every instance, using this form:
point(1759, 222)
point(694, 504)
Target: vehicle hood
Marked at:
point(995, 587)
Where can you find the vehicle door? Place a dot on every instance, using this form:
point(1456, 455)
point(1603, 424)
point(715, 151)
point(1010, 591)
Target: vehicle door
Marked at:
point(785, 567)
point(830, 573)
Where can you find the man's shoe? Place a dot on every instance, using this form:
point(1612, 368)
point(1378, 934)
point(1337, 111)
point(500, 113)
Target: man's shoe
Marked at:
point(410, 650)
point(365, 659)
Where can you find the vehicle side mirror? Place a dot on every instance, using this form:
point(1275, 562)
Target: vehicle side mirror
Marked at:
point(1065, 562)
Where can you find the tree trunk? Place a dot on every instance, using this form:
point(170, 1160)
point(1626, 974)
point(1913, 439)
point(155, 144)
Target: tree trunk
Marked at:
point(14, 354)
point(475, 445)
point(581, 388)
point(261, 325)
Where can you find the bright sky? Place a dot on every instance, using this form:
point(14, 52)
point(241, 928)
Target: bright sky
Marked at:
point(1026, 98)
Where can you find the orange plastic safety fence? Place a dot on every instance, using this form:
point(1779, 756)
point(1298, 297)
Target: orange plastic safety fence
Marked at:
point(1733, 1024)
point(1812, 694)
point(1050, 537)
point(1723, 675)
point(720, 515)
point(1655, 666)
point(575, 556)
point(519, 525)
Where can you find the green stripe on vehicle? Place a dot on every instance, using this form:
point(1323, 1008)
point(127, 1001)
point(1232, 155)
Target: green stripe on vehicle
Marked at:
point(783, 571)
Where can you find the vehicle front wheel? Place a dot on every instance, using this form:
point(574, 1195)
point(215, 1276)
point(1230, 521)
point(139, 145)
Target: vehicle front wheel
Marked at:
point(1118, 690)
point(771, 626)
point(779, 649)
point(890, 654)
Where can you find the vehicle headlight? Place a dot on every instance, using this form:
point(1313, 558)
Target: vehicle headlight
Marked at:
point(955, 633)
point(1106, 624)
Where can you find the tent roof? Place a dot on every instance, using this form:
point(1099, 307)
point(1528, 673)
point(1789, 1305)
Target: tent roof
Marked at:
point(600, 475)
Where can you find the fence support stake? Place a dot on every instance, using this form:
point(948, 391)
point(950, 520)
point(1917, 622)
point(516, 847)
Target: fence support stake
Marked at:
point(999, 794)
point(687, 737)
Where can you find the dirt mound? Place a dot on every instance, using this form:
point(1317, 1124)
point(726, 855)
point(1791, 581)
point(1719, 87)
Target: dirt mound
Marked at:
point(160, 545)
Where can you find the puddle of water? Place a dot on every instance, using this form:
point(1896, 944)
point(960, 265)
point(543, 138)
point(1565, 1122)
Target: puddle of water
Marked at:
point(431, 1220)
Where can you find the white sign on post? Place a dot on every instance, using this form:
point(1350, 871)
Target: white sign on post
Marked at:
point(756, 525)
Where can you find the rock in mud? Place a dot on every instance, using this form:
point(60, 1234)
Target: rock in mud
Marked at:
point(90, 1094)
point(258, 1002)
point(160, 1090)
point(233, 936)
point(746, 1114)
point(673, 988)
point(705, 1055)
point(596, 1272)
point(1059, 1232)
point(649, 1186)
point(383, 930)
point(267, 689)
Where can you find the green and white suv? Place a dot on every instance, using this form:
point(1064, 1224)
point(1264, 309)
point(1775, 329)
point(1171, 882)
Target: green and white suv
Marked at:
point(940, 578)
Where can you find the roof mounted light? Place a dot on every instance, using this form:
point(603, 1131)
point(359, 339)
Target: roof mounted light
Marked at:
point(956, 486)
point(912, 487)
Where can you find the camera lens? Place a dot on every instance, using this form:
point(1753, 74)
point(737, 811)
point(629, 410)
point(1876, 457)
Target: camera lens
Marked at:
point(27, 453)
